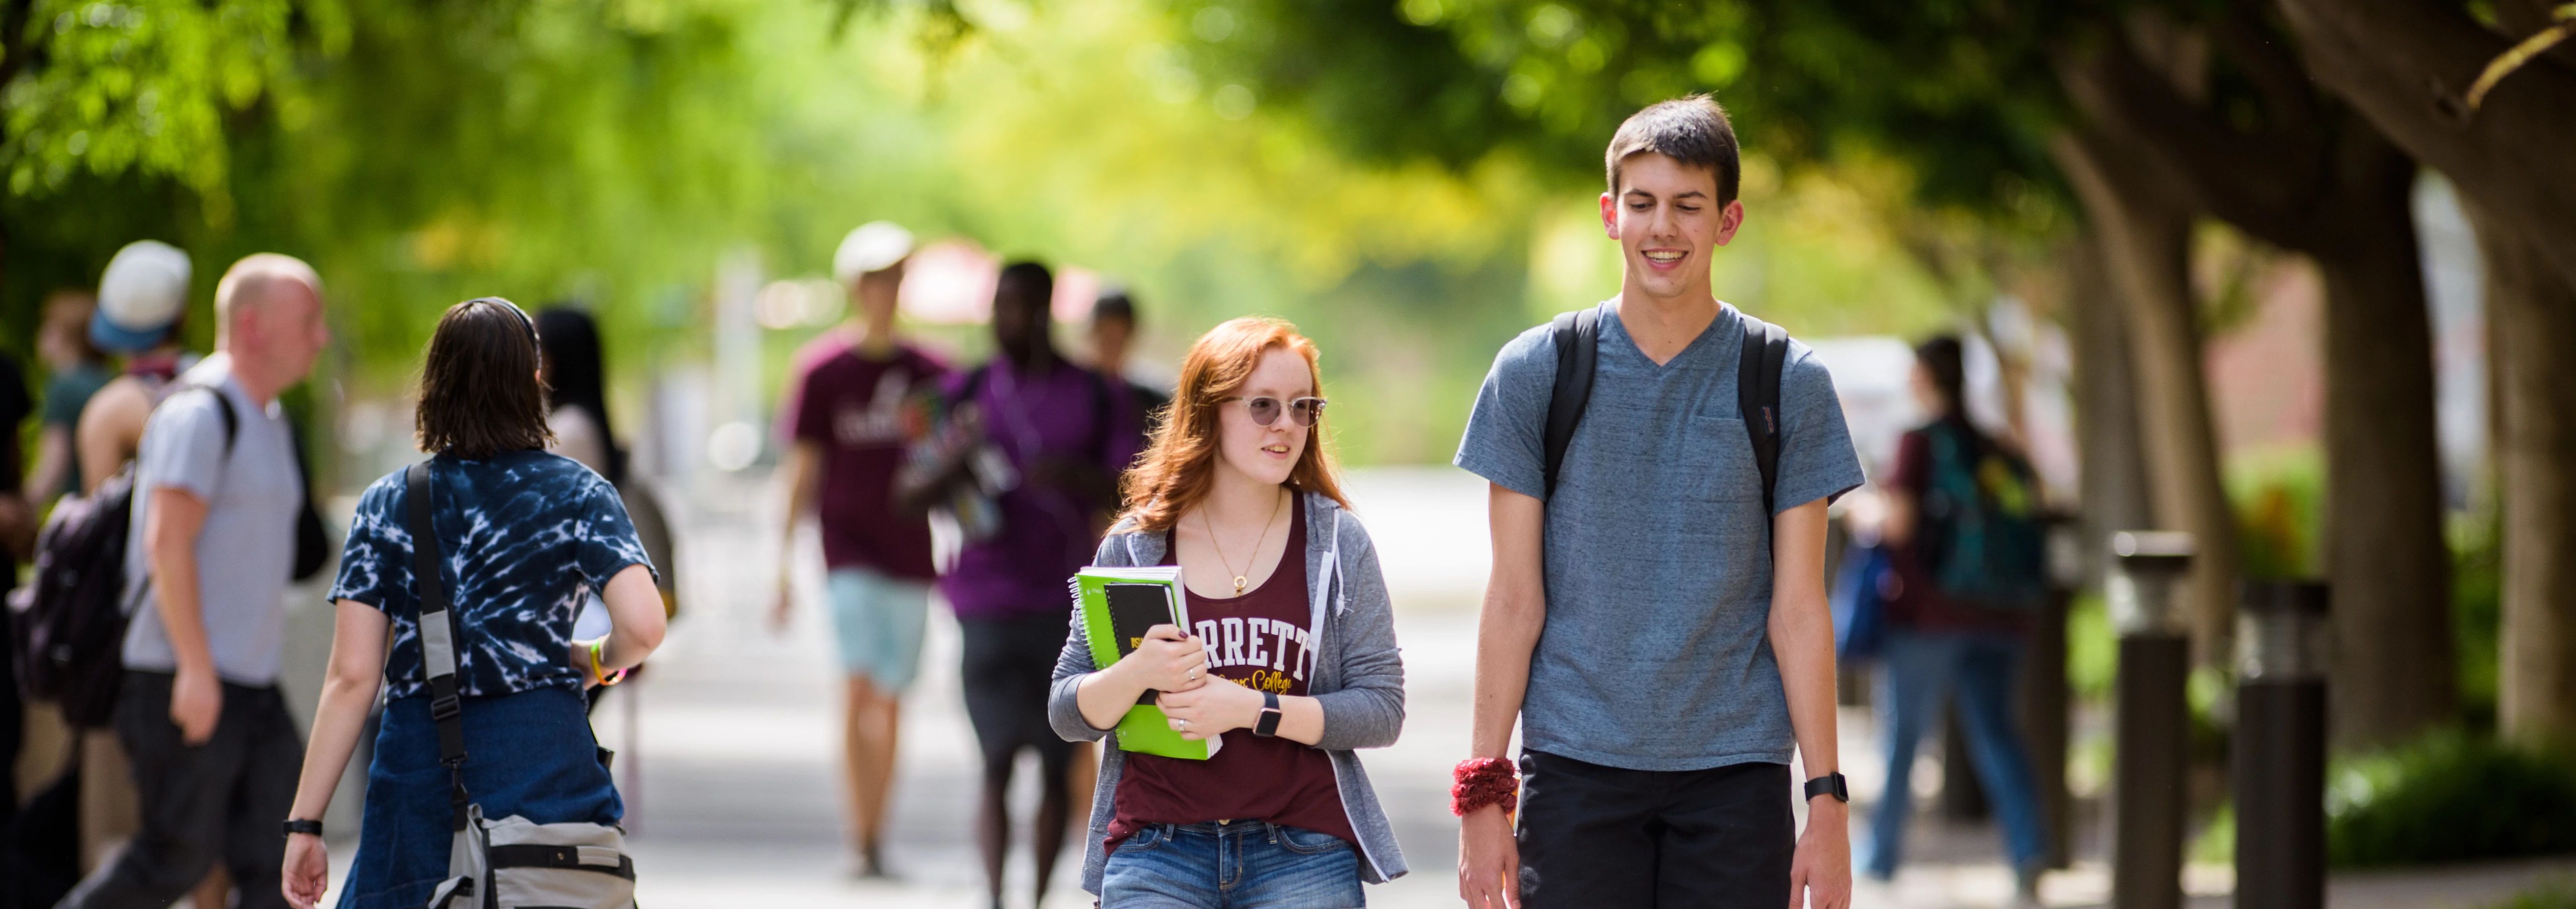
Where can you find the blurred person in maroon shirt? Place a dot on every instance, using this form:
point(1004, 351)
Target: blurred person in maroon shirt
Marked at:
point(859, 400)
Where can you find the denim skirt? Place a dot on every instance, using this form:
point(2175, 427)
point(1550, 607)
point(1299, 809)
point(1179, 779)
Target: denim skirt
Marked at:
point(530, 753)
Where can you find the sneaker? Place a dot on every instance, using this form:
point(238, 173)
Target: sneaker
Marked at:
point(2026, 889)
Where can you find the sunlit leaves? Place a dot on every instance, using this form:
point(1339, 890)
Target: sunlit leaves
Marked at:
point(144, 85)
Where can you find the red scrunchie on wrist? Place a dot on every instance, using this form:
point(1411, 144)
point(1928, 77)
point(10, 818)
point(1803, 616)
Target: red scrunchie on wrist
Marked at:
point(1480, 782)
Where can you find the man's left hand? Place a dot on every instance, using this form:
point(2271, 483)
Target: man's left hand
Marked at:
point(1820, 873)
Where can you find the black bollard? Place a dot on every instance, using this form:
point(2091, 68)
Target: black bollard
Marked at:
point(2152, 720)
point(2280, 751)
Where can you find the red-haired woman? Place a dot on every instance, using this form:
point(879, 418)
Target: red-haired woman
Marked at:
point(1291, 655)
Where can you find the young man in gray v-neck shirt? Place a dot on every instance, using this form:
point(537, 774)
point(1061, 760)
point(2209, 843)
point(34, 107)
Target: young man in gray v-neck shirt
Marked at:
point(1662, 640)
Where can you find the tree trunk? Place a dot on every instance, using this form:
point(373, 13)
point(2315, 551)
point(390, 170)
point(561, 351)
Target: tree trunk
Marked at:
point(2394, 663)
point(2107, 436)
point(2146, 244)
point(2534, 309)
point(2320, 180)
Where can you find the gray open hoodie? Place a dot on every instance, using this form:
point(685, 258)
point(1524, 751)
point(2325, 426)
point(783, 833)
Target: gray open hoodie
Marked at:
point(1359, 678)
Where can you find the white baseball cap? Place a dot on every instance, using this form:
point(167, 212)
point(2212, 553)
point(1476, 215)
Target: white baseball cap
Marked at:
point(142, 294)
point(875, 246)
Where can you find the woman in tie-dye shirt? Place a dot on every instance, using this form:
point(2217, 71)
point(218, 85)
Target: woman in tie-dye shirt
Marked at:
point(524, 537)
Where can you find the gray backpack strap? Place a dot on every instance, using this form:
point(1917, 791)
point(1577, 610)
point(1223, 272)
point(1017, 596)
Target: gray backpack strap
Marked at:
point(438, 633)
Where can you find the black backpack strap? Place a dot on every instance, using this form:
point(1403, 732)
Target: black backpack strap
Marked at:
point(438, 633)
point(1757, 397)
point(1578, 351)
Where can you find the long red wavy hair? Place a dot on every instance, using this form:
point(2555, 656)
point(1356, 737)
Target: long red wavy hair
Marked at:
point(1177, 469)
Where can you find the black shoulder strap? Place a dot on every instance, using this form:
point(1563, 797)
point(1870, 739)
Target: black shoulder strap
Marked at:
point(437, 636)
point(1578, 350)
point(1757, 398)
point(223, 405)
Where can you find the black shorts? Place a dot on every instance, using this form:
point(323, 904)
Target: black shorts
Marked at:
point(1606, 838)
point(1007, 668)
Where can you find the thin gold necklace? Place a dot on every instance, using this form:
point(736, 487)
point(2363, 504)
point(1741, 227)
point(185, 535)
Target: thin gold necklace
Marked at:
point(1239, 578)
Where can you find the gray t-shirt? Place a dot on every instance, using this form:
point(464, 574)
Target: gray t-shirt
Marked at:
point(247, 548)
point(1656, 653)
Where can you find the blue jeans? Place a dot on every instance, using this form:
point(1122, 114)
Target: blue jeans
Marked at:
point(1238, 865)
point(528, 753)
point(1921, 668)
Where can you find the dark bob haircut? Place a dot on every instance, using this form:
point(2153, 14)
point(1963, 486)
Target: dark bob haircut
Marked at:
point(1692, 130)
point(479, 391)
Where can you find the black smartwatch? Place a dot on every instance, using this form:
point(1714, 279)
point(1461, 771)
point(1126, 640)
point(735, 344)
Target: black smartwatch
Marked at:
point(1268, 725)
point(294, 827)
point(1830, 784)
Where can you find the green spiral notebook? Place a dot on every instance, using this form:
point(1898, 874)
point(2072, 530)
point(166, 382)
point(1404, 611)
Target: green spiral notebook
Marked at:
point(1118, 606)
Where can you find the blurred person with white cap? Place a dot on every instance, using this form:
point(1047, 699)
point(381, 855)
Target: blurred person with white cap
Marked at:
point(141, 300)
point(858, 400)
point(142, 304)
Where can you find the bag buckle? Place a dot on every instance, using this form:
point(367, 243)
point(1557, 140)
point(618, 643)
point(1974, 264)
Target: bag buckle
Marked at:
point(446, 708)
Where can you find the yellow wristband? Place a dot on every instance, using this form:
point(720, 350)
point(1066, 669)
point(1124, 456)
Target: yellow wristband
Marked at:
point(596, 674)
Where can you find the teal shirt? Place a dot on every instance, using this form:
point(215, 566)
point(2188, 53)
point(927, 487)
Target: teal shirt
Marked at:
point(66, 392)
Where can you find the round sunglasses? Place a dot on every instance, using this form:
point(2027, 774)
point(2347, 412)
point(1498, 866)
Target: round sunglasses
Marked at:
point(1265, 409)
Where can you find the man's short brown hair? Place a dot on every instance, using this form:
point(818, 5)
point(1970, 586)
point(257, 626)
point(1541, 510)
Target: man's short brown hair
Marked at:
point(1692, 130)
point(479, 391)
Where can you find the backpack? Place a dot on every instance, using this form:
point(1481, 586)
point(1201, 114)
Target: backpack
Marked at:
point(512, 862)
point(69, 620)
point(1980, 537)
point(1757, 390)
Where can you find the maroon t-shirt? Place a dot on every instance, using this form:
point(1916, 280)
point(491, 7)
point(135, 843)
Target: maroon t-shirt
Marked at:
point(1258, 640)
point(864, 411)
point(1918, 603)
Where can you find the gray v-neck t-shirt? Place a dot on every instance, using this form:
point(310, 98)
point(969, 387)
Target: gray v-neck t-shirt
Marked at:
point(1656, 652)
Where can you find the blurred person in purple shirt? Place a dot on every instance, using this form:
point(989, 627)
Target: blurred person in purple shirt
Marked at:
point(1062, 434)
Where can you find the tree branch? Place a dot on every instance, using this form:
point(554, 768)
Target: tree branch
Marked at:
point(2268, 192)
point(2402, 62)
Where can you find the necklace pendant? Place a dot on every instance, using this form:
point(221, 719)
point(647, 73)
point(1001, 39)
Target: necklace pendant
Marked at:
point(1238, 584)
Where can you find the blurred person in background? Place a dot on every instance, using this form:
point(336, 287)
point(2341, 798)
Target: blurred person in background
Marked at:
point(529, 535)
point(75, 369)
point(211, 550)
point(577, 394)
point(18, 524)
point(1042, 442)
point(576, 381)
point(1936, 643)
point(1236, 486)
point(857, 400)
point(142, 299)
point(1113, 334)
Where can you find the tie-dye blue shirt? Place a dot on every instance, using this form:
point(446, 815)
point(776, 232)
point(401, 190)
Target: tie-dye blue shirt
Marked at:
point(526, 535)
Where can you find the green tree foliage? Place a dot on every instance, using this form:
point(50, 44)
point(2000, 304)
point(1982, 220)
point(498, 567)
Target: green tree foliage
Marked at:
point(1960, 91)
point(613, 150)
